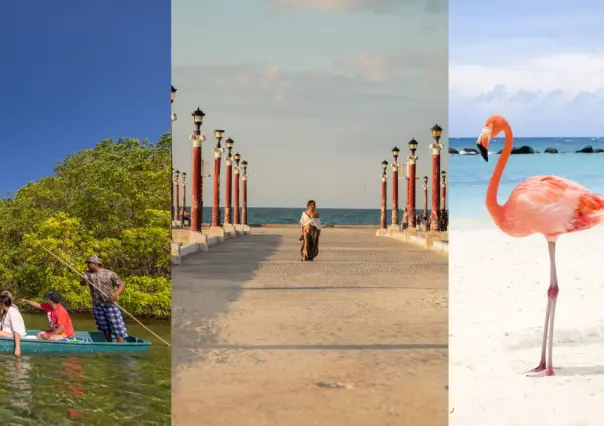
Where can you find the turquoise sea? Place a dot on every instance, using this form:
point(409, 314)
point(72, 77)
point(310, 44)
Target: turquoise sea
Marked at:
point(288, 215)
point(469, 175)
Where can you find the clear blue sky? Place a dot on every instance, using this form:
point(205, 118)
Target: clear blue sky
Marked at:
point(75, 72)
point(315, 93)
point(540, 64)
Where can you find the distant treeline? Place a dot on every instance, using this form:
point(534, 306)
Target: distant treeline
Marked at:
point(112, 201)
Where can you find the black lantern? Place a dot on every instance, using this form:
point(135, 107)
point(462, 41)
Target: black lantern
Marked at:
point(229, 144)
point(172, 94)
point(436, 132)
point(413, 146)
point(244, 166)
point(444, 176)
point(395, 153)
point(218, 135)
point(198, 119)
point(237, 157)
point(425, 180)
point(384, 167)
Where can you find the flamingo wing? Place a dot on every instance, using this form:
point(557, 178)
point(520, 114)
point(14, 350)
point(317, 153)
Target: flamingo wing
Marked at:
point(551, 206)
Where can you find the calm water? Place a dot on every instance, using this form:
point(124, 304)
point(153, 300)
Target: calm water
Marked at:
point(266, 215)
point(469, 175)
point(88, 389)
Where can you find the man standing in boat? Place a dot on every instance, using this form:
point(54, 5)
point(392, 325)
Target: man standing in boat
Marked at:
point(107, 316)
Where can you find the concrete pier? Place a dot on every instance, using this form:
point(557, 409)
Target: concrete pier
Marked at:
point(357, 337)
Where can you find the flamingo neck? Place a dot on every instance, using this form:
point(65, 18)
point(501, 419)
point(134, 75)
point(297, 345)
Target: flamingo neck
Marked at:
point(494, 208)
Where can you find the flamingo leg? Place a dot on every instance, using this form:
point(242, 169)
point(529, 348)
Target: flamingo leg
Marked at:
point(550, 313)
point(541, 365)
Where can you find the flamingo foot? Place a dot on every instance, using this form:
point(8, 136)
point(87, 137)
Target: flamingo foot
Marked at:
point(538, 368)
point(544, 372)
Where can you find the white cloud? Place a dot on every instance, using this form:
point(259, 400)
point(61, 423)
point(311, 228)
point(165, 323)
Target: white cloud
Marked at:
point(411, 66)
point(570, 73)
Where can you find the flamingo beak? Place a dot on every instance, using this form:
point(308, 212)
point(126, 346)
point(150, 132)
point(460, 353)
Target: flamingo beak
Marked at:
point(483, 140)
point(483, 152)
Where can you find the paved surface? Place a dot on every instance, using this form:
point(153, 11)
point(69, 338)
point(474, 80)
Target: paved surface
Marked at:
point(357, 337)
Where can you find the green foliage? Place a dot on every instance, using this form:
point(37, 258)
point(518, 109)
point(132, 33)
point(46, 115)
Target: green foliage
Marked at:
point(112, 201)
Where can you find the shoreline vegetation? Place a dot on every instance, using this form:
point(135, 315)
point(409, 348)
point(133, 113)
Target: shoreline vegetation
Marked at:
point(112, 201)
point(525, 149)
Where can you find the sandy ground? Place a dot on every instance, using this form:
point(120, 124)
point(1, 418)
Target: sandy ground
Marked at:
point(497, 301)
point(358, 337)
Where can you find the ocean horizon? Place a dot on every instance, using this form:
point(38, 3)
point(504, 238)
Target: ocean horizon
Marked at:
point(469, 175)
point(329, 216)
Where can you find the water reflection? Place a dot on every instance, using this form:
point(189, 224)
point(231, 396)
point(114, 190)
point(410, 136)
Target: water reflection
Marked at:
point(103, 389)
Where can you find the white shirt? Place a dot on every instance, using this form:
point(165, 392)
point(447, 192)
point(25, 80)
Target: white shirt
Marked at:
point(307, 220)
point(13, 321)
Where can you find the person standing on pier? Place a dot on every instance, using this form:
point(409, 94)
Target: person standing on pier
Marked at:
point(405, 220)
point(310, 231)
point(107, 316)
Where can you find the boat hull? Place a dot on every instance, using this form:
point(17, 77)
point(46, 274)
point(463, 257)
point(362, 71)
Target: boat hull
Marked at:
point(96, 344)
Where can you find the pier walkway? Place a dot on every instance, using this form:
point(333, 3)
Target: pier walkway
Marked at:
point(357, 337)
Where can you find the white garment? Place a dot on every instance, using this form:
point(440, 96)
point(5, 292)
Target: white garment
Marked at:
point(307, 220)
point(13, 321)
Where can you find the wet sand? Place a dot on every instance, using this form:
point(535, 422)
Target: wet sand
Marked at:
point(357, 337)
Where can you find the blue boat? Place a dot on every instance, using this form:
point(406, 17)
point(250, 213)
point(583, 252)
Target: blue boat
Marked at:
point(84, 342)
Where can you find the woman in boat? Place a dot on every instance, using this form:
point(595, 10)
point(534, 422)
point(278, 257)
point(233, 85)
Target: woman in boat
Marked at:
point(12, 324)
point(310, 230)
point(10, 296)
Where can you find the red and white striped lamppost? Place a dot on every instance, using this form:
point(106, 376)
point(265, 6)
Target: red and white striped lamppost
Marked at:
point(218, 150)
point(395, 168)
point(384, 178)
point(176, 196)
point(435, 147)
point(236, 170)
point(228, 196)
point(411, 167)
point(183, 180)
point(244, 177)
point(444, 190)
point(197, 179)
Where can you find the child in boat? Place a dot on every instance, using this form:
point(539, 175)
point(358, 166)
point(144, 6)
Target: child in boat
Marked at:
point(61, 327)
point(12, 324)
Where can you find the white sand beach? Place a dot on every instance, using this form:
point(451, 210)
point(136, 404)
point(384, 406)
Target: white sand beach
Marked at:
point(497, 305)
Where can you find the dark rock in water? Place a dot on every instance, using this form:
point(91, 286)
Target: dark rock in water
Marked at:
point(586, 150)
point(453, 151)
point(550, 150)
point(598, 151)
point(524, 149)
point(470, 151)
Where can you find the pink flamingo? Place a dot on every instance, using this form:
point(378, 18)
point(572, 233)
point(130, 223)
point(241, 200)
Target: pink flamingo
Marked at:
point(547, 205)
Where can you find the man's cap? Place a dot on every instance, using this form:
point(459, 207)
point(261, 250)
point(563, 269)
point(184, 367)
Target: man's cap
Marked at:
point(95, 260)
point(54, 296)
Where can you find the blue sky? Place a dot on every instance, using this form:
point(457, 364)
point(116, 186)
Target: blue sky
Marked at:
point(75, 74)
point(315, 93)
point(540, 64)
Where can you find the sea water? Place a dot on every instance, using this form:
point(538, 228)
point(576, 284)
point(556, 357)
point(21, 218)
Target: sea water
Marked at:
point(469, 175)
point(291, 215)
